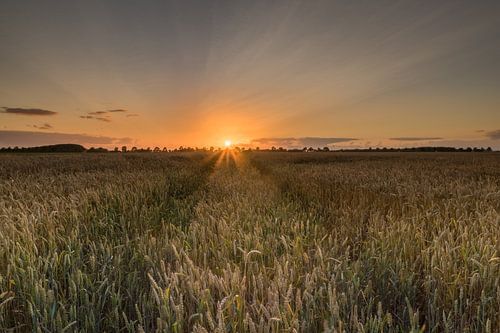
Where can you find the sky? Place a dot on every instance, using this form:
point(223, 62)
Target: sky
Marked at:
point(260, 73)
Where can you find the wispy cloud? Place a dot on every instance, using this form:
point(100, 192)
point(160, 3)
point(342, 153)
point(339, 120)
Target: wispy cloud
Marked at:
point(28, 111)
point(132, 115)
point(28, 139)
point(415, 138)
point(292, 142)
point(105, 115)
point(108, 111)
point(43, 127)
point(494, 135)
point(107, 120)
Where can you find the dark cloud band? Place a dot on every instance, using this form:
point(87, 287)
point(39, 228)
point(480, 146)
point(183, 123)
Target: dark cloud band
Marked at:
point(28, 111)
point(29, 139)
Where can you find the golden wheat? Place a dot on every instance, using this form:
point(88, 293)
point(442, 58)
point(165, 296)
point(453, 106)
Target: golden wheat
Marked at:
point(250, 242)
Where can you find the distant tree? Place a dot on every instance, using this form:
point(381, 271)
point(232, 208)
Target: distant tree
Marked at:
point(326, 149)
point(58, 148)
point(273, 148)
point(156, 149)
point(257, 148)
point(116, 149)
point(310, 149)
point(124, 149)
point(134, 149)
point(97, 150)
point(165, 149)
point(488, 149)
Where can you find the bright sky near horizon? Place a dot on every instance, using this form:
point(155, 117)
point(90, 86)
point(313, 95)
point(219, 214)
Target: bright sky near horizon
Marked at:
point(284, 73)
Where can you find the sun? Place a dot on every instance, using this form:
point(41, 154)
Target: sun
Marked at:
point(227, 143)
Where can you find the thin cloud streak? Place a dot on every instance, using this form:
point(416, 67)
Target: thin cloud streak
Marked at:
point(104, 115)
point(108, 111)
point(43, 127)
point(28, 111)
point(107, 120)
point(29, 139)
point(410, 138)
point(300, 142)
point(494, 135)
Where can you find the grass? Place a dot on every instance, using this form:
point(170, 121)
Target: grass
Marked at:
point(250, 242)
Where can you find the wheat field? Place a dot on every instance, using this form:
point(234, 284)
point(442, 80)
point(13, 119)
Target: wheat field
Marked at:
point(250, 242)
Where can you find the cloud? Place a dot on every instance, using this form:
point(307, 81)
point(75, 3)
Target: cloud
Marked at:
point(298, 142)
point(28, 111)
point(411, 138)
point(105, 114)
point(43, 127)
point(132, 115)
point(29, 139)
point(108, 111)
point(494, 135)
point(107, 120)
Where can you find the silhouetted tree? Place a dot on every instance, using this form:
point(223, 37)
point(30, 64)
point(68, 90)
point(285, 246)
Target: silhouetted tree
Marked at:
point(97, 150)
point(59, 148)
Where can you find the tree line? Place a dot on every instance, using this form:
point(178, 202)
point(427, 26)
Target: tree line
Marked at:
point(75, 148)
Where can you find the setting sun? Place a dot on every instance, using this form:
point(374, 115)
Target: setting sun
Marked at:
point(227, 143)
